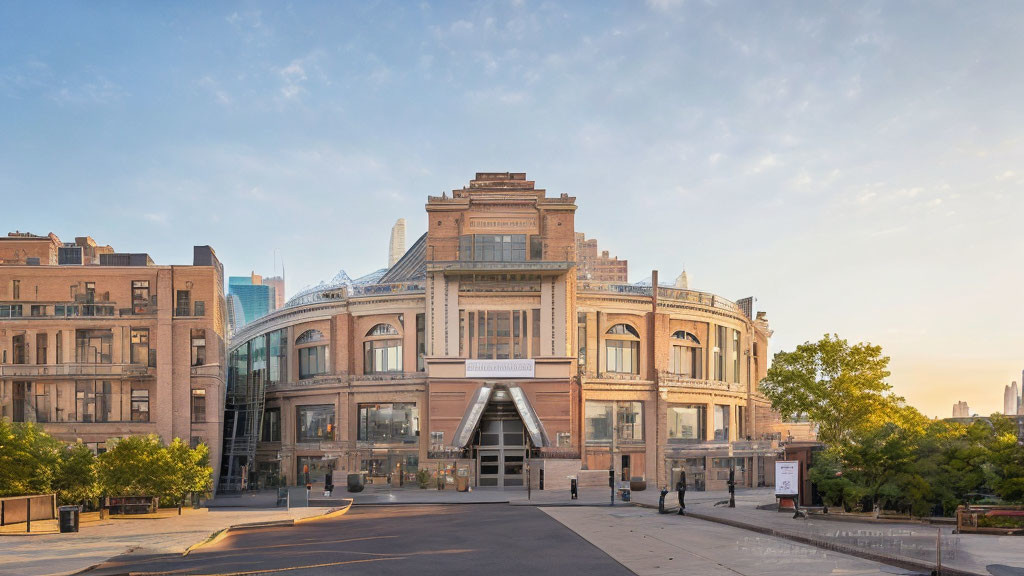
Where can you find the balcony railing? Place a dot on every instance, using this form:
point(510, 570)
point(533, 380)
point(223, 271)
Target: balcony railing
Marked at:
point(665, 293)
point(626, 376)
point(388, 376)
point(386, 289)
point(522, 265)
point(681, 381)
point(37, 371)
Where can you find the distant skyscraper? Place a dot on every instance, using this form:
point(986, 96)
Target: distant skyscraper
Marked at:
point(236, 316)
point(961, 410)
point(1010, 400)
point(397, 247)
point(257, 299)
point(278, 283)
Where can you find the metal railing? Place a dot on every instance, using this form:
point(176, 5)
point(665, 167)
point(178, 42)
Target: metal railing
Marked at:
point(75, 369)
point(682, 381)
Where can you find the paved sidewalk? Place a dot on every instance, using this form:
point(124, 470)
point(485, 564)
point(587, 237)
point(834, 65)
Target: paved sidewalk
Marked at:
point(51, 554)
point(914, 542)
point(651, 544)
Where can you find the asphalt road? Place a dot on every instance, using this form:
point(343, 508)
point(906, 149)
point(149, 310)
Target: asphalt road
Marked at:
point(487, 539)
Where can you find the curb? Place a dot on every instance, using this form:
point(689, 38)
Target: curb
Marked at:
point(221, 534)
point(908, 564)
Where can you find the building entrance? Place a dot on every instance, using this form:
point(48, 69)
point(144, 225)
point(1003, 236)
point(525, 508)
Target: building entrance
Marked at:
point(501, 448)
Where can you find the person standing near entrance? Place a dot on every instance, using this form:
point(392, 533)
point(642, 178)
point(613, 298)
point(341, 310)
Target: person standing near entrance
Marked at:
point(681, 492)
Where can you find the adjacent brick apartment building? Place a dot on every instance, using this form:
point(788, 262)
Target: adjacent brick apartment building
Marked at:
point(96, 344)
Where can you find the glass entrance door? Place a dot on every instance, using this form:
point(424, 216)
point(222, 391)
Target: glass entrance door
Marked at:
point(501, 453)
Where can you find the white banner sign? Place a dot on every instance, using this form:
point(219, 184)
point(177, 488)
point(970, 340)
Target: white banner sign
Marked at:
point(519, 368)
point(787, 478)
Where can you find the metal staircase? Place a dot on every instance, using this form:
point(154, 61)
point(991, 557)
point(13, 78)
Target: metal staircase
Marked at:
point(243, 416)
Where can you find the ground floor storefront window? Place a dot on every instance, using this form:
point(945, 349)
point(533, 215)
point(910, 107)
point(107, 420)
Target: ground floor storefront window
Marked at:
point(315, 465)
point(382, 465)
point(696, 478)
point(268, 474)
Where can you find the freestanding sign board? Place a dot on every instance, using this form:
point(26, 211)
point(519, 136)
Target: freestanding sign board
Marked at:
point(787, 478)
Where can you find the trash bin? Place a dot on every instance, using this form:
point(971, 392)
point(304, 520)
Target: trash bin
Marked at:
point(68, 518)
point(355, 482)
point(625, 494)
point(462, 480)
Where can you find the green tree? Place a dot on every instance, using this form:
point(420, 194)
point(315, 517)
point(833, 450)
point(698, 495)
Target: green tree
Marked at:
point(190, 469)
point(135, 466)
point(28, 459)
point(1005, 460)
point(75, 478)
point(838, 386)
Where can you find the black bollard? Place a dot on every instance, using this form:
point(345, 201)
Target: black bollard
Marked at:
point(732, 487)
point(661, 500)
point(573, 491)
point(681, 492)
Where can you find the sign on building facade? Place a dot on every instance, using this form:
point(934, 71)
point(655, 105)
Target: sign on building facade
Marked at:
point(517, 368)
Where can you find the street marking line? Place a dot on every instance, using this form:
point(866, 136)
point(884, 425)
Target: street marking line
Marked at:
point(270, 570)
point(311, 543)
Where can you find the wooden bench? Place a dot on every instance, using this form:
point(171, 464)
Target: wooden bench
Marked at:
point(132, 504)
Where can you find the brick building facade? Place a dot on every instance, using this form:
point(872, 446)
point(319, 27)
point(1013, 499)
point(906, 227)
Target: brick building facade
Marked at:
point(98, 351)
point(481, 349)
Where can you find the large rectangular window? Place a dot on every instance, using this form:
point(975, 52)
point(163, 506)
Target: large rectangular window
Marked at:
point(183, 303)
point(198, 337)
point(312, 361)
point(722, 422)
point(719, 352)
point(314, 423)
point(140, 346)
point(687, 423)
point(140, 295)
point(278, 357)
point(271, 430)
point(41, 348)
point(140, 405)
point(496, 334)
point(741, 422)
point(98, 401)
point(686, 361)
point(581, 341)
point(382, 356)
point(94, 346)
point(623, 418)
point(622, 356)
point(493, 247)
point(389, 423)
point(198, 406)
point(421, 342)
point(735, 351)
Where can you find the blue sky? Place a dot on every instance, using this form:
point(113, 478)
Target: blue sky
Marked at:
point(859, 167)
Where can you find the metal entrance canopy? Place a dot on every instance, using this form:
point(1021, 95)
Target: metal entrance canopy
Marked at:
point(471, 419)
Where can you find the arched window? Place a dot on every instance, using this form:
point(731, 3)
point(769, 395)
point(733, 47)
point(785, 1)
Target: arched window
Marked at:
point(685, 336)
point(686, 354)
point(309, 336)
point(312, 359)
point(622, 349)
point(382, 354)
point(623, 330)
point(382, 330)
